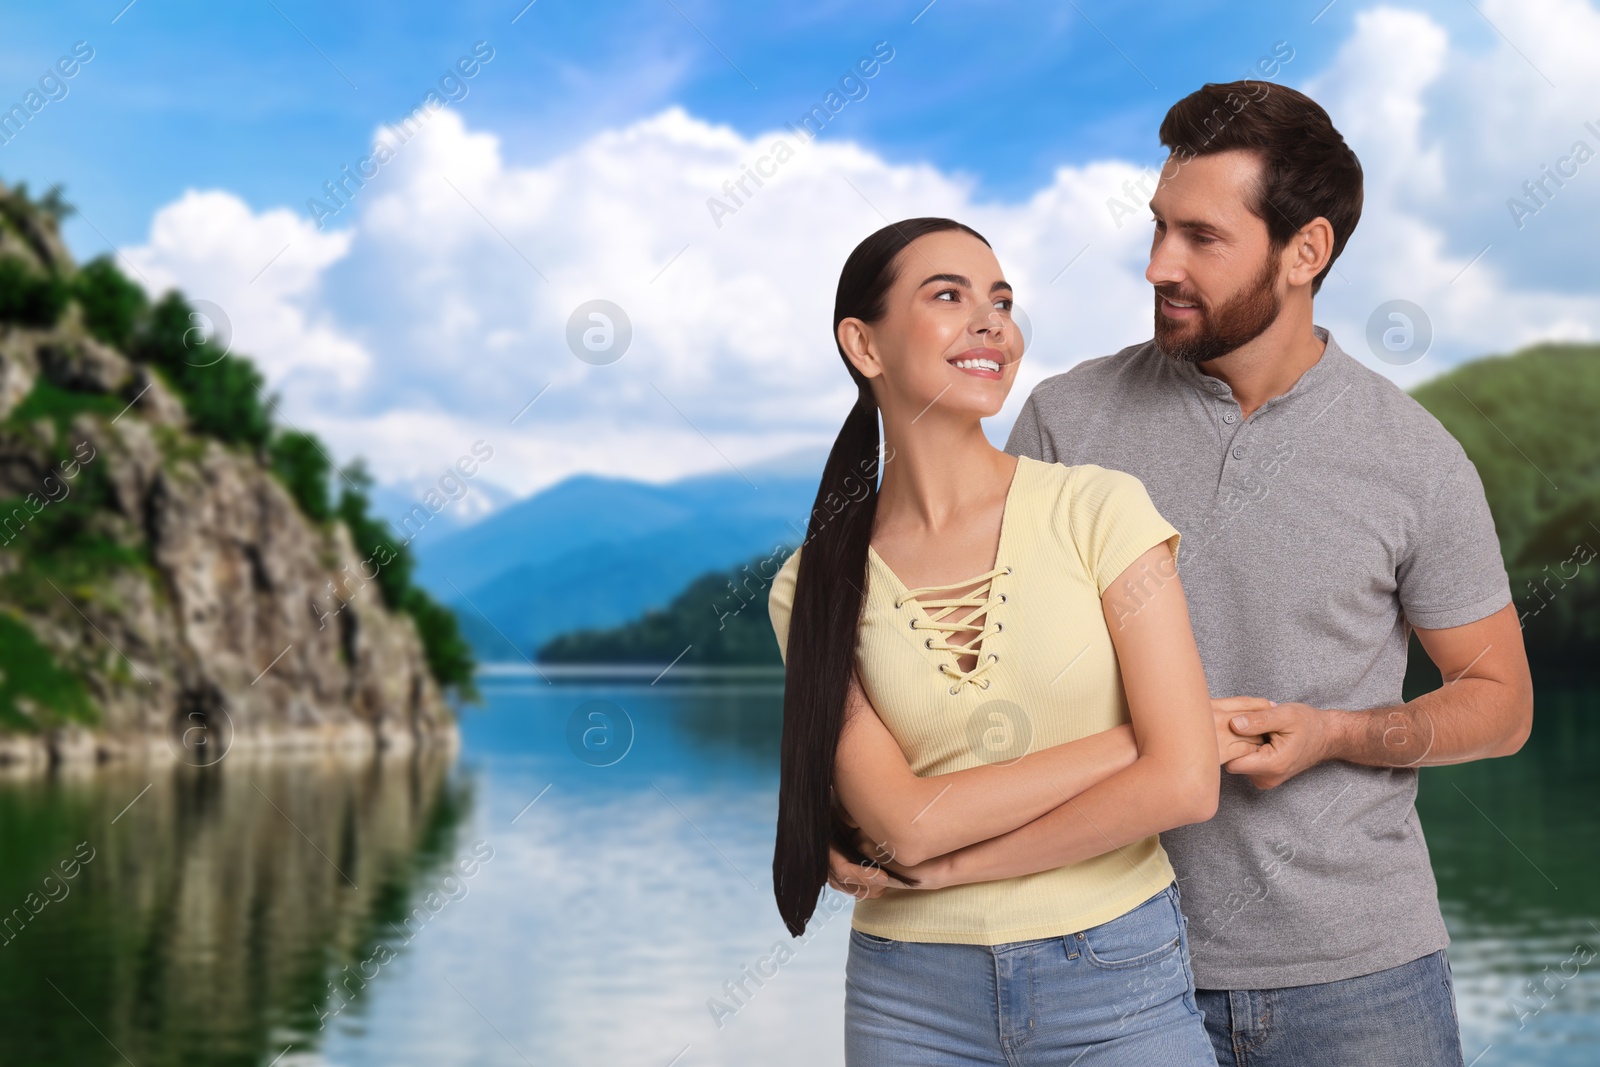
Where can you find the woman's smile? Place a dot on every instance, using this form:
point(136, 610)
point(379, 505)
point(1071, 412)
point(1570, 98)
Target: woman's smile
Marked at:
point(980, 362)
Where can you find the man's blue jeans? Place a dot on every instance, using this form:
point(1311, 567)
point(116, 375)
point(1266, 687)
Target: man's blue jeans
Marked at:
point(1402, 1017)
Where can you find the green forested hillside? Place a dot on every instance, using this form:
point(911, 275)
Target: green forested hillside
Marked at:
point(719, 618)
point(1531, 423)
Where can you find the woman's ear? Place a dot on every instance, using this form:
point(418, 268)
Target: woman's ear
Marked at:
point(856, 341)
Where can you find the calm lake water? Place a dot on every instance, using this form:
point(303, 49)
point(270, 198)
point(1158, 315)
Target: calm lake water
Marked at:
point(567, 910)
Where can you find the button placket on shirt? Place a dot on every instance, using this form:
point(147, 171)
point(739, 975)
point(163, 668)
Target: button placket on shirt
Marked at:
point(1235, 451)
point(1233, 425)
point(1239, 468)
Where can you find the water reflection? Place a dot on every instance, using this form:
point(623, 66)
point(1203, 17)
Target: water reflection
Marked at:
point(1514, 851)
point(321, 913)
point(215, 904)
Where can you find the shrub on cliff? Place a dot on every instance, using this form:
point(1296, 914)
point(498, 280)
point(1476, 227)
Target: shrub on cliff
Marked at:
point(113, 307)
point(221, 391)
point(302, 466)
point(30, 298)
point(450, 657)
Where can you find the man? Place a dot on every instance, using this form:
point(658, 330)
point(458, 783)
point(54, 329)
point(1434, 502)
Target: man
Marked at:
point(1325, 516)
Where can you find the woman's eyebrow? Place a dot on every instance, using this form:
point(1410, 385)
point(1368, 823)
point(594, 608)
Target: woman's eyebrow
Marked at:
point(962, 280)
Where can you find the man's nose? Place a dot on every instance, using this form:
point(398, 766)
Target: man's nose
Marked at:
point(1164, 265)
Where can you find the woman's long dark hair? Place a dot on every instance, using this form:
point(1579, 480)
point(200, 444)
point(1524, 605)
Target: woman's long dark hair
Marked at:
point(828, 597)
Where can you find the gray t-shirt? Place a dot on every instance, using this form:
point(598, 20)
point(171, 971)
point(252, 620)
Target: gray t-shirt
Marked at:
point(1315, 534)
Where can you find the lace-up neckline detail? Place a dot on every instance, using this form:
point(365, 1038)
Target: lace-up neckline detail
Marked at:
point(945, 615)
point(971, 614)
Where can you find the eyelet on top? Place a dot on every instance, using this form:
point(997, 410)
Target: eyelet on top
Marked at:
point(994, 657)
point(928, 643)
point(1002, 598)
point(953, 690)
point(984, 684)
point(999, 627)
point(1008, 568)
point(913, 622)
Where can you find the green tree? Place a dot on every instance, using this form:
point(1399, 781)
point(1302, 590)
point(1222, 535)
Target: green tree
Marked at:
point(720, 618)
point(450, 658)
point(221, 391)
point(28, 297)
point(302, 465)
point(374, 538)
point(113, 307)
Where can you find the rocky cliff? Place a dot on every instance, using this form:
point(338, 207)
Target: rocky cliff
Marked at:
point(162, 593)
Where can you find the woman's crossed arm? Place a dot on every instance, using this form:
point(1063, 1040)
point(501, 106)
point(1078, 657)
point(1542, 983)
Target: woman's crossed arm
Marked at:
point(1172, 780)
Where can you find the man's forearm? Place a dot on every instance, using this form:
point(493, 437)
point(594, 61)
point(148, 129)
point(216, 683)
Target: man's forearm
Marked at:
point(1470, 719)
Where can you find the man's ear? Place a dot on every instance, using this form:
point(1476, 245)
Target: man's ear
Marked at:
point(1309, 251)
point(856, 340)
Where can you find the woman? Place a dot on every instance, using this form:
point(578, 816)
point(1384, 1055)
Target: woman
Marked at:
point(974, 608)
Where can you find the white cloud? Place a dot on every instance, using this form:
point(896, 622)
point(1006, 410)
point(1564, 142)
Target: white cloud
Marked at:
point(1432, 123)
point(264, 271)
point(459, 270)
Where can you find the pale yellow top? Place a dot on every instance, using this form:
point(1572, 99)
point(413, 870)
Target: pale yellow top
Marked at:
point(1046, 674)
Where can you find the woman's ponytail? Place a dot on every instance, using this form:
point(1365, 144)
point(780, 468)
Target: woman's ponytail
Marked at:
point(829, 593)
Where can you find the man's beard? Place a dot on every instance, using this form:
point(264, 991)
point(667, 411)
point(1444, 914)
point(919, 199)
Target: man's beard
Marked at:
point(1216, 333)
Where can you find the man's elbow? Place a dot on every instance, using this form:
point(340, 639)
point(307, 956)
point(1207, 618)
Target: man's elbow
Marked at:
point(1522, 723)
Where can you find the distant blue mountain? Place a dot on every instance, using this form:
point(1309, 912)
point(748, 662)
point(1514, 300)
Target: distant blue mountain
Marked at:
point(597, 552)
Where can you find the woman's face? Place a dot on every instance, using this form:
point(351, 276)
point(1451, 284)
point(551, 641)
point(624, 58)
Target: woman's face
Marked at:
point(947, 341)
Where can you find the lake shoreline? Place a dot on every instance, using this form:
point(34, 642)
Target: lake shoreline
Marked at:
point(76, 749)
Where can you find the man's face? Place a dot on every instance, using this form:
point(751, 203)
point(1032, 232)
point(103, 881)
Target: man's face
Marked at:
point(1217, 280)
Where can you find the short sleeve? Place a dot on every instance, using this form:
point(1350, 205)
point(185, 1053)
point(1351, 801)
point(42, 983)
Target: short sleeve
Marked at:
point(1027, 437)
point(1452, 572)
point(1112, 521)
point(780, 601)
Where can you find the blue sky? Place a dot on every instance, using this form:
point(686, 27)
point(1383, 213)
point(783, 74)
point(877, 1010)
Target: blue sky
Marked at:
point(576, 166)
point(195, 94)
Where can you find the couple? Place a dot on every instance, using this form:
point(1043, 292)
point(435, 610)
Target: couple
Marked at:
point(999, 691)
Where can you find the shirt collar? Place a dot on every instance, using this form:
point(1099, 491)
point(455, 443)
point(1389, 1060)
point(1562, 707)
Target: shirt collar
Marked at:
point(1312, 379)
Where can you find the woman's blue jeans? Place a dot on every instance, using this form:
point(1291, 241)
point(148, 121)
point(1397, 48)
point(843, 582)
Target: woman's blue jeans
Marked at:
point(1120, 993)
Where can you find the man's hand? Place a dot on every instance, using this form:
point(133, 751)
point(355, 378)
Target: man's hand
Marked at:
point(1298, 736)
point(1230, 744)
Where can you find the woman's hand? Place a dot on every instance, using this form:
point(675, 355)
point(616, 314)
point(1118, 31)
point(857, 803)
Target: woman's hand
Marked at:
point(1231, 745)
point(868, 883)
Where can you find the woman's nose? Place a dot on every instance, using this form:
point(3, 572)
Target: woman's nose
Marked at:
point(992, 325)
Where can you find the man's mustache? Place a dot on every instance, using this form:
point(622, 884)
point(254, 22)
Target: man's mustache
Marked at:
point(1179, 296)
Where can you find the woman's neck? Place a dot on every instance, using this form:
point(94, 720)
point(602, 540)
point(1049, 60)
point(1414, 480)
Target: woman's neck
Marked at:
point(937, 470)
